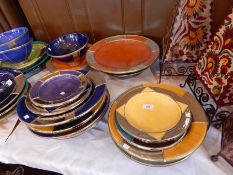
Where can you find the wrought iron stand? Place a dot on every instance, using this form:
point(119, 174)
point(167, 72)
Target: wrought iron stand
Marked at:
point(175, 69)
point(215, 114)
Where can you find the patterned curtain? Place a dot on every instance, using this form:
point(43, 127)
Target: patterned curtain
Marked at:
point(189, 32)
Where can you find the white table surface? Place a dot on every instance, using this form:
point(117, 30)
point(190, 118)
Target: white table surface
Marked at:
point(94, 152)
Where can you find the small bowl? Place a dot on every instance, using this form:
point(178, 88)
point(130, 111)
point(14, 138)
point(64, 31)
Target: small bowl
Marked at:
point(67, 47)
point(17, 54)
point(14, 38)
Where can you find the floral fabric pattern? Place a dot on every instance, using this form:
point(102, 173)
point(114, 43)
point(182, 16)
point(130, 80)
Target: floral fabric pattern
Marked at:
point(215, 67)
point(190, 31)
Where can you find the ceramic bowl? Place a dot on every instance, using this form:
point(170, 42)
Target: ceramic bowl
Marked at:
point(14, 38)
point(67, 47)
point(17, 54)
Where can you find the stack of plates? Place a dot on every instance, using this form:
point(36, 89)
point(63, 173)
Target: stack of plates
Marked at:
point(123, 55)
point(64, 104)
point(12, 86)
point(157, 124)
point(33, 62)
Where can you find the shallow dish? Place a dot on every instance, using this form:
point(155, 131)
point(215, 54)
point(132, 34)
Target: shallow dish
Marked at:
point(16, 54)
point(67, 46)
point(19, 81)
point(184, 148)
point(150, 115)
point(37, 53)
point(14, 38)
point(7, 85)
point(79, 129)
point(58, 89)
point(122, 54)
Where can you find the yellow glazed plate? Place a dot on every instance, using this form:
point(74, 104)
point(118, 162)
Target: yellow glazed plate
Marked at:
point(152, 116)
point(192, 140)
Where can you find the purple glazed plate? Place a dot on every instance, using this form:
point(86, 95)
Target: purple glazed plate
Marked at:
point(58, 89)
point(19, 85)
point(7, 85)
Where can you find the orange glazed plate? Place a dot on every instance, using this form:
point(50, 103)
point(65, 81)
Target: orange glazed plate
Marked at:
point(122, 54)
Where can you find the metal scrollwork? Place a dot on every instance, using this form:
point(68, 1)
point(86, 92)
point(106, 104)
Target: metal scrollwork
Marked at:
point(215, 115)
point(179, 71)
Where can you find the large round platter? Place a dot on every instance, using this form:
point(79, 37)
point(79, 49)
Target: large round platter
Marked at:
point(94, 98)
point(150, 115)
point(122, 54)
point(19, 81)
point(5, 112)
point(38, 51)
point(7, 85)
point(58, 88)
point(79, 129)
point(192, 140)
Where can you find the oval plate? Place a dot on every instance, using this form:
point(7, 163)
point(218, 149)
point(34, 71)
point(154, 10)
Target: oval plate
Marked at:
point(122, 54)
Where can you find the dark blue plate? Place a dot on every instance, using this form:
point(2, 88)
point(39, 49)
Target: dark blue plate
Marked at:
point(68, 45)
point(4, 113)
point(20, 82)
point(58, 89)
point(88, 105)
point(75, 128)
point(7, 85)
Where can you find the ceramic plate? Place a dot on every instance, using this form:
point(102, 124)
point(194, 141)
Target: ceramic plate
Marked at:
point(6, 112)
point(98, 92)
point(31, 70)
point(71, 124)
point(38, 51)
point(49, 113)
point(154, 146)
point(77, 130)
point(148, 162)
point(7, 85)
point(58, 88)
point(19, 81)
point(152, 116)
point(122, 54)
point(192, 140)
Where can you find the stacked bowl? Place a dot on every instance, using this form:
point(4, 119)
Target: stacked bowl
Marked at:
point(18, 51)
point(68, 52)
point(157, 124)
point(12, 86)
point(64, 104)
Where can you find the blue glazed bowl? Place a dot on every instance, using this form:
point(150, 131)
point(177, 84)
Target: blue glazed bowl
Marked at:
point(14, 38)
point(67, 46)
point(17, 54)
